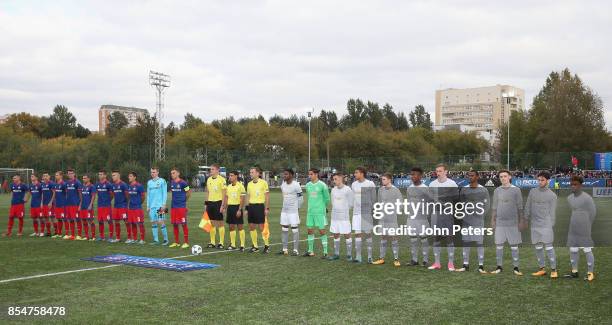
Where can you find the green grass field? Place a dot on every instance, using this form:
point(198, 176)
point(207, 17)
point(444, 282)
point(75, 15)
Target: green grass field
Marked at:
point(258, 288)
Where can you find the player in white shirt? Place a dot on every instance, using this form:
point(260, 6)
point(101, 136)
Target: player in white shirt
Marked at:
point(290, 218)
point(342, 200)
point(364, 191)
point(444, 190)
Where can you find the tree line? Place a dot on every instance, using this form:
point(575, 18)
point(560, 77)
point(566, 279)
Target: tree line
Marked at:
point(565, 116)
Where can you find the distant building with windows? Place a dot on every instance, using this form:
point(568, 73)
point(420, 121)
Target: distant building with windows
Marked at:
point(481, 109)
point(131, 113)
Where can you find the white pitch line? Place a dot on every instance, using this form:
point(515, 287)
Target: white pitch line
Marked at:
point(109, 266)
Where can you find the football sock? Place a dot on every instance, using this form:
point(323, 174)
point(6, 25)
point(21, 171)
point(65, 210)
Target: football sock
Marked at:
point(92, 225)
point(574, 258)
point(86, 225)
point(450, 250)
point(80, 228)
point(134, 231)
point(233, 238)
point(499, 255)
point(101, 229)
point(111, 230)
point(515, 255)
point(358, 248)
point(20, 225)
point(55, 227)
point(11, 222)
point(253, 237)
point(539, 250)
point(242, 234)
point(175, 230)
point(311, 242)
point(213, 235)
point(466, 254)
point(164, 231)
point(324, 243)
point(296, 238)
point(221, 235)
point(128, 229)
point(266, 239)
point(395, 249)
point(414, 249)
point(480, 249)
point(337, 246)
point(117, 230)
point(425, 248)
point(436, 250)
point(72, 228)
point(550, 251)
point(383, 248)
point(590, 259)
point(155, 233)
point(35, 224)
point(369, 246)
point(141, 227)
point(185, 233)
point(349, 246)
point(285, 237)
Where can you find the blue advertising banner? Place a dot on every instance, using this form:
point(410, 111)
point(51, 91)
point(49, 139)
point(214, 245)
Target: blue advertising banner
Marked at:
point(149, 262)
point(603, 160)
point(564, 182)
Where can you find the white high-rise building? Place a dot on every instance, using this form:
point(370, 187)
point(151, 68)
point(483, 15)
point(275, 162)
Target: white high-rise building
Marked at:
point(131, 113)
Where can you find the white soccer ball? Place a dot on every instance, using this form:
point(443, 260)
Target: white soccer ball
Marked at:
point(196, 250)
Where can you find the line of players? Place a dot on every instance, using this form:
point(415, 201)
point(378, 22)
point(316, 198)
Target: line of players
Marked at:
point(63, 208)
point(66, 203)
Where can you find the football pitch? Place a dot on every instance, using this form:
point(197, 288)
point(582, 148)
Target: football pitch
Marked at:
point(259, 288)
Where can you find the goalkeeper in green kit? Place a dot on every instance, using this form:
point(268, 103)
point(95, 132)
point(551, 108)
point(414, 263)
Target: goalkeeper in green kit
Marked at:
point(318, 198)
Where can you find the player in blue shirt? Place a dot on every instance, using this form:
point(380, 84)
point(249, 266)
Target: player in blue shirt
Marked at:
point(73, 200)
point(157, 195)
point(59, 202)
point(178, 210)
point(121, 197)
point(135, 213)
point(86, 214)
point(47, 203)
point(104, 192)
point(35, 206)
point(18, 200)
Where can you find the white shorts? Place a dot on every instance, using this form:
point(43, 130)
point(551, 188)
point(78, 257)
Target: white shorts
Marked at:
point(340, 227)
point(359, 226)
point(289, 219)
point(509, 234)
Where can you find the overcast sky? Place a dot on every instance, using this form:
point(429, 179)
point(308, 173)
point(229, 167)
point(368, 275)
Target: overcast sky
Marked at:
point(244, 58)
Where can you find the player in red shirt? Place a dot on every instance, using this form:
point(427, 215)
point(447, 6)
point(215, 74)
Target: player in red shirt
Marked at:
point(19, 198)
point(135, 213)
point(35, 206)
point(120, 197)
point(86, 213)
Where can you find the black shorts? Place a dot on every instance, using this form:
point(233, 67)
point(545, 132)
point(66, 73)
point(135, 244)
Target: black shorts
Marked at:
point(231, 218)
point(213, 208)
point(257, 213)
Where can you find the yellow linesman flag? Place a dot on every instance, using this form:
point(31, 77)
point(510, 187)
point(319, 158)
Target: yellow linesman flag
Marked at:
point(205, 223)
point(266, 231)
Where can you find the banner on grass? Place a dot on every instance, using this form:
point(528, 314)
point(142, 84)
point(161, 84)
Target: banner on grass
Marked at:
point(150, 262)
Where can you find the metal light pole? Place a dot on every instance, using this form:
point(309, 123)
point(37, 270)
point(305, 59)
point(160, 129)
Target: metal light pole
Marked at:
point(160, 82)
point(309, 118)
point(507, 103)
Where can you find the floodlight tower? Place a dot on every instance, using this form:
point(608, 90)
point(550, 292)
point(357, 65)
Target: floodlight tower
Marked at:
point(160, 82)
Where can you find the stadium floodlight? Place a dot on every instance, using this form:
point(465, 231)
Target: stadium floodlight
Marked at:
point(160, 82)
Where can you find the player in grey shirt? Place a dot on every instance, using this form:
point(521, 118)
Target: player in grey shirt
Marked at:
point(477, 195)
point(540, 210)
point(579, 234)
point(388, 193)
point(444, 191)
point(418, 193)
point(507, 220)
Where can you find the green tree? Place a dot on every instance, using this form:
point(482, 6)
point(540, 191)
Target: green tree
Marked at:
point(116, 122)
point(191, 121)
point(420, 118)
point(61, 122)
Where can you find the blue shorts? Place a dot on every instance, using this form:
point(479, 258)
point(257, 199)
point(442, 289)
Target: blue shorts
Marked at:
point(156, 217)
